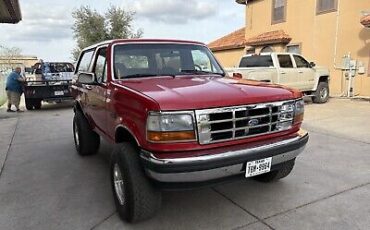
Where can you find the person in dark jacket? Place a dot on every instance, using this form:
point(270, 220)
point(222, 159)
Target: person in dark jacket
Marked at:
point(14, 89)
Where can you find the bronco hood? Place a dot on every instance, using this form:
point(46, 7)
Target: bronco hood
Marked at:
point(199, 92)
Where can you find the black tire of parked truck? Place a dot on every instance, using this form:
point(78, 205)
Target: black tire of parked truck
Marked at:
point(87, 142)
point(29, 104)
point(37, 104)
point(321, 95)
point(33, 104)
point(276, 175)
point(135, 196)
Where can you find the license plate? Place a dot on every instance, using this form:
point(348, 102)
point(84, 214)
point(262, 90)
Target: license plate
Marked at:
point(258, 167)
point(58, 93)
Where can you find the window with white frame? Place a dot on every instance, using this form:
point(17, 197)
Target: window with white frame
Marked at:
point(294, 48)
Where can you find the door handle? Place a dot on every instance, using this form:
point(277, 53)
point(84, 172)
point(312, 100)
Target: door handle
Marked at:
point(300, 71)
point(282, 72)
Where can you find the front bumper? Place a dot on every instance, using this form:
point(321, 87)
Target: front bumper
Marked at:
point(224, 164)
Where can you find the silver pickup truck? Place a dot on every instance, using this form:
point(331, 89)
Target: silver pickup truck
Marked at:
point(287, 69)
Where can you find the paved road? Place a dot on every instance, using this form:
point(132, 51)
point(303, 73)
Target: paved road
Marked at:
point(44, 184)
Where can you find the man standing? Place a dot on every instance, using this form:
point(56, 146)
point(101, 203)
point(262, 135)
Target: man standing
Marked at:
point(14, 89)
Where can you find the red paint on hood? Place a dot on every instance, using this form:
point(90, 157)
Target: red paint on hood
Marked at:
point(198, 92)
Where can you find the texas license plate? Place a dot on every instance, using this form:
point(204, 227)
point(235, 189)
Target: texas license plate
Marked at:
point(58, 93)
point(258, 167)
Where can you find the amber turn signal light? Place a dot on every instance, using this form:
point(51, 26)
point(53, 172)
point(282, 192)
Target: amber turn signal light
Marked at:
point(154, 136)
point(298, 118)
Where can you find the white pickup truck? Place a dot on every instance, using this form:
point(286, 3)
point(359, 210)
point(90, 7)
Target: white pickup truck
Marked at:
point(287, 69)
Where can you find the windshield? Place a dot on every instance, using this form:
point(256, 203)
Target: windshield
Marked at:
point(256, 61)
point(147, 60)
point(54, 67)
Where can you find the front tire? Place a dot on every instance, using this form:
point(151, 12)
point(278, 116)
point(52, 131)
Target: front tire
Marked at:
point(276, 175)
point(321, 95)
point(87, 142)
point(136, 199)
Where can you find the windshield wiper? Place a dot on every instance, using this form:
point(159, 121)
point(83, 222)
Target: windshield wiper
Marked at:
point(200, 72)
point(139, 75)
point(146, 75)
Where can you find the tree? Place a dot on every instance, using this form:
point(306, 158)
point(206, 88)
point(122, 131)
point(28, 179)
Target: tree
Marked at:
point(91, 27)
point(119, 22)
point(9, 54)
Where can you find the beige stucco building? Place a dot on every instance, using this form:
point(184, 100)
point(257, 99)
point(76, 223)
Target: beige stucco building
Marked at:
point(323, 31)
point(12, 62)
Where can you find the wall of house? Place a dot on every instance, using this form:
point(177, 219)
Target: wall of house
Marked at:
point(229, 58)
point(319, 37)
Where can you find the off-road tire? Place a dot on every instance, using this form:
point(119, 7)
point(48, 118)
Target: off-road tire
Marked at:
point(87, 142)
point(276, 175)
point(319, 97)
point(141, 198)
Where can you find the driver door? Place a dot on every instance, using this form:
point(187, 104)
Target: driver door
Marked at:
point(306, 75)
point(98, 92)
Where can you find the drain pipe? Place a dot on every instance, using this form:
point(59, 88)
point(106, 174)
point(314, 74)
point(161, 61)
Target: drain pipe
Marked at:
point(336, 37)
point(336, 52)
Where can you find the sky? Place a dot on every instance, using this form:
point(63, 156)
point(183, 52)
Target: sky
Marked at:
point(45, 30)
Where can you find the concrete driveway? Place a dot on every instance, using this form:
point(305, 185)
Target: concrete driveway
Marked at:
point(44, 184)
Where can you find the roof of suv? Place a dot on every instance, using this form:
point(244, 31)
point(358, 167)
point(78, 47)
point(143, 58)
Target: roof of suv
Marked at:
point(143, 41)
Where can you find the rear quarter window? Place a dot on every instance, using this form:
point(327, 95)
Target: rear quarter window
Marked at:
point(256, 61)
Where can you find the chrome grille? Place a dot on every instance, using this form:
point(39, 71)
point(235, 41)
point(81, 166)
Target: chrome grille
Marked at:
point(231, 123)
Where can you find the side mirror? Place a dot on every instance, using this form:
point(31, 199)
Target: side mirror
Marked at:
point(237, 75)
point(86, 78)
point(312, 64)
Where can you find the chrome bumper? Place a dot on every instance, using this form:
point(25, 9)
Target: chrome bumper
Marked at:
point(216, 166)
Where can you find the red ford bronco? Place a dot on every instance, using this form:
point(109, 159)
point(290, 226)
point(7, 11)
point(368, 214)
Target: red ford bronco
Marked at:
point(177, 120)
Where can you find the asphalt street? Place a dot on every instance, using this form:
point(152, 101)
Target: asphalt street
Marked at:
point(44, 184)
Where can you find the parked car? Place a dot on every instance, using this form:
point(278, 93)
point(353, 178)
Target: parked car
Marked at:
point(175, 124)
point(50, 81)
point(287, 69)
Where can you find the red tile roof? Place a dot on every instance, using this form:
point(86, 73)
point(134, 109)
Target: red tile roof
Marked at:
point(366, 21)
point(233, 40)
point(272, 37)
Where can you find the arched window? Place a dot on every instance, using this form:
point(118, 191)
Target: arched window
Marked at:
point(267, 49)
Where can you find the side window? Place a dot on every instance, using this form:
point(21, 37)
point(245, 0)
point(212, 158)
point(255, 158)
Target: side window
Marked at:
point(285, 61)
point(325, 6)
point(100, 68)
point(295, 49)
point(85, 60)
point(201, 60)
point(301, 62)
point(278, 11)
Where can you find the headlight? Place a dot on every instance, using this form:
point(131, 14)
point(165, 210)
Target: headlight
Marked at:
point(299, 111)
point(170, 127)
point(286, 115)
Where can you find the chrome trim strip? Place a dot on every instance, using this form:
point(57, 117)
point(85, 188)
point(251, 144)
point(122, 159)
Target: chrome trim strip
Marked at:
point(199, 176)
point(222, 156)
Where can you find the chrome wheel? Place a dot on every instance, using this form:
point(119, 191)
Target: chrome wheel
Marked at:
point(118, 184)
point(76, 135)
point(323, 93)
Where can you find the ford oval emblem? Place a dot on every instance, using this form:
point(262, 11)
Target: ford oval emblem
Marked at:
point(253, 122)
